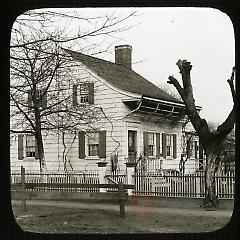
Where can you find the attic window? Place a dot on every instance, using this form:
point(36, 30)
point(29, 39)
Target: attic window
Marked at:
point(83, 93)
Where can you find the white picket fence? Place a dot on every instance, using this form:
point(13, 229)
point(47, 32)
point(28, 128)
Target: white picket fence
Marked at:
point(177, 185)
point(150, 184)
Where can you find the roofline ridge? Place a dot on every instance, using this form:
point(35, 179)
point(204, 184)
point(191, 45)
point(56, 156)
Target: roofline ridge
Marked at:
point(86, 55)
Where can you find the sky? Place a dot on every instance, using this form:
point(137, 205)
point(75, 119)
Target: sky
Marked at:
point(203, 36)
point(161, 36)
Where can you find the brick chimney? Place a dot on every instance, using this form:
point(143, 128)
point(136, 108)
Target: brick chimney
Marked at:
point(123, 55)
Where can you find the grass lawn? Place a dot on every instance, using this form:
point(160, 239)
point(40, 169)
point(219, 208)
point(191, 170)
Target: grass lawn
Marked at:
point(45, 219)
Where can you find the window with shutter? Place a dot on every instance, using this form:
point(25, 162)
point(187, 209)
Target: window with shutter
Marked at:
point(95, 144)
point(83, 93)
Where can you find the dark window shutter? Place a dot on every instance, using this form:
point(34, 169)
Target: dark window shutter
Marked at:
point(81, 144)
point(145, 144)
point(196, 149)
point(174, 145)
point(75, 95)
point(200, 151)
point(36, 150)
point(91, 93)
point(20, 146)
point(200, 156)
point(158, 145)
point(102, 144)
point(188, 148)
point(164, 145)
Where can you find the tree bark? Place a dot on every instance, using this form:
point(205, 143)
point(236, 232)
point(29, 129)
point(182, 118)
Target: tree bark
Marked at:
point(212, 142)
point(211, 199)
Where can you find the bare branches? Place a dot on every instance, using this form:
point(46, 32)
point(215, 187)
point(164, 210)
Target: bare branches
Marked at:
point(99, 25)
point(227, 126)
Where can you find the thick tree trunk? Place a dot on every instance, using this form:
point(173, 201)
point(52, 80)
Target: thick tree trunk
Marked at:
point(42, 162)
point(40, 149)
point(211, 199)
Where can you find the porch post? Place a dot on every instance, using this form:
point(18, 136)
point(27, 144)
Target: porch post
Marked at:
point(101, 174)
point(130, 167)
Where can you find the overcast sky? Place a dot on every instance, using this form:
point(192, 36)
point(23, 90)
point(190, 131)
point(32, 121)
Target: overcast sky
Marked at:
point(203, 36)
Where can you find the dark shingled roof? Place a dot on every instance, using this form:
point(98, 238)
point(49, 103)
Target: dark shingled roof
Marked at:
point(122, 77)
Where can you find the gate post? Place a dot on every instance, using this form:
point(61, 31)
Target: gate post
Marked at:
point(101, 174)
point(130, 166)
point(24, 208)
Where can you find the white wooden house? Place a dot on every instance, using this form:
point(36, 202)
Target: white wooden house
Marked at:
point(135, 119)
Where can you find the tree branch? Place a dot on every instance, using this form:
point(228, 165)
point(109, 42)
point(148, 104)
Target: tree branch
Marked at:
point(176, 84)
point(231, 84)
point(186, 93)
point(227, 126)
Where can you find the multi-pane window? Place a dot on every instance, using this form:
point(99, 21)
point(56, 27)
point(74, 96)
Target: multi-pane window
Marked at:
point(169, 145)
point(83, 93)
point(30, 146)
point(151, 144)
point(93, 144)
point(192, 149)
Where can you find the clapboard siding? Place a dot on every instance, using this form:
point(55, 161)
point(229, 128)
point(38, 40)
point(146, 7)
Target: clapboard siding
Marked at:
point(110, 100)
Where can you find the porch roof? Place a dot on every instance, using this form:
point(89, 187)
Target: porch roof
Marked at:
point(157, 107)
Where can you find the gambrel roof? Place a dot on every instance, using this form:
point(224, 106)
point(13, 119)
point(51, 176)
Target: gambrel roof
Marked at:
point(122, 77)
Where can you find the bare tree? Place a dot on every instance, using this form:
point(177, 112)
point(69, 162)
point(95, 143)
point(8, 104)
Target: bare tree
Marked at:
point(212, 141)
point(42, 73)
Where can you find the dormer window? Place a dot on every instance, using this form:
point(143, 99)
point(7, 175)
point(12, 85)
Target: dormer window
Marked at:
point(83, 93)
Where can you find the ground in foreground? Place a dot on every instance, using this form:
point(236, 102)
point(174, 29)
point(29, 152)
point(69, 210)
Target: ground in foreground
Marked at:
point(46, 219)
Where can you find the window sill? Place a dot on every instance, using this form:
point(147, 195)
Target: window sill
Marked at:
point(92, 158)
point(152, 158)
point(30, 159)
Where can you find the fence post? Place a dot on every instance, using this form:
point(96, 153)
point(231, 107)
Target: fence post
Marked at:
point(122, 199)
point(130, 175)
point(101, 174)
point(24, 208)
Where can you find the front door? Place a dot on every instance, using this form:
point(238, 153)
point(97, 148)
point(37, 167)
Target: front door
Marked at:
point(132, 145)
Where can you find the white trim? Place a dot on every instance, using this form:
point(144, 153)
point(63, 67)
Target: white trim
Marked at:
point(168, 102)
